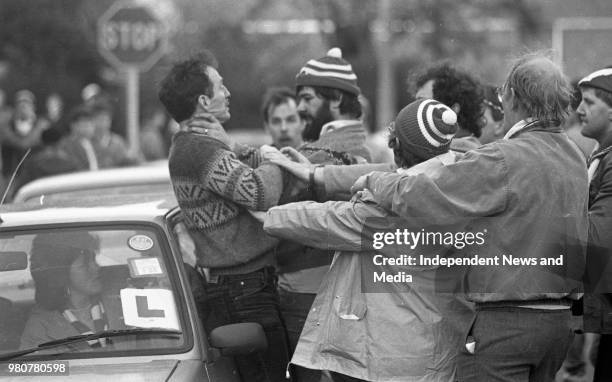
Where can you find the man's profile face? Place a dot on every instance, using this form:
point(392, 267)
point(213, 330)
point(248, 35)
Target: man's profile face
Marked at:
point(102, 121)
point(491, 126)
point(594, 115)
point(425, 91)
point(218, 102)
point(284, 124)
point(84, 127)
point(315, 112)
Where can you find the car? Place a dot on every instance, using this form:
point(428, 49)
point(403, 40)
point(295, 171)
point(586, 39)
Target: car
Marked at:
point(151, 178)
point(130, 260)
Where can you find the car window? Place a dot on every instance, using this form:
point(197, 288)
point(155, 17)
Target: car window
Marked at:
point(62, 282)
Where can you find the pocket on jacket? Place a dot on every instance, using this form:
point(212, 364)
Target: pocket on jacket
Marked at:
point(346, 331)
point(470, 343)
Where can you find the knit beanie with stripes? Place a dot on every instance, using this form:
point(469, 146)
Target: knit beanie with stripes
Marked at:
point(425, 128)
point(331, 71)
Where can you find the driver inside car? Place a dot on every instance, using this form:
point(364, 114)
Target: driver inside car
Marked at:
point(68, 287)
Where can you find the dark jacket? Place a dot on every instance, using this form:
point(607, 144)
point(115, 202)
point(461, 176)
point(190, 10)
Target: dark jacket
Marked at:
point(598, 307)
point(529, 192)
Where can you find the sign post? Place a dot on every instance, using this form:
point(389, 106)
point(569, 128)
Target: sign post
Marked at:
point(132, 39)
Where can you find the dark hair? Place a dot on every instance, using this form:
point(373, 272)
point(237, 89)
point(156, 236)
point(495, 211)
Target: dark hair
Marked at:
point(101, 104)
point(80, 112)
point(52, 255)
point(186, 81)
point(349, 104)
point(402, 156)
point(275, 97)
point(453, 86)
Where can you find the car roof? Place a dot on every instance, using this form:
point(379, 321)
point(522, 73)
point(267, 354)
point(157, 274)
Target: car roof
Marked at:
point(147, 208)
point(152, 173)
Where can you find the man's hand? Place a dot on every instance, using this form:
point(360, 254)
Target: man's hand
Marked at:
point(299, 170)
point(362, 183)
point(295, 155)
point(207, 124)
point(270, 153)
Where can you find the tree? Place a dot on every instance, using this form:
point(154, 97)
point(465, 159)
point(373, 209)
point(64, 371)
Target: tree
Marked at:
point(47, 47)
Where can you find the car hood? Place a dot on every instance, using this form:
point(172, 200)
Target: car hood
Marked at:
point(158, 370)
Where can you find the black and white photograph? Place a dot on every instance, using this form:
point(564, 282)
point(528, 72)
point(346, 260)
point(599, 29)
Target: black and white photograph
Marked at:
point(306, 190)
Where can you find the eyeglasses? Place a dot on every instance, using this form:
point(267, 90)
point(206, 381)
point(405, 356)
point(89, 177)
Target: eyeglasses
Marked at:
point(499, 91)
point(496, 111)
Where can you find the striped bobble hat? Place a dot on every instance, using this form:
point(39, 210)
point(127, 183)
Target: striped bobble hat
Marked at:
point(330, 71)
point(426, 127)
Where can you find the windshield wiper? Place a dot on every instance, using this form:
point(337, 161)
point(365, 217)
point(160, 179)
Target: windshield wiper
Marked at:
point(88, 337)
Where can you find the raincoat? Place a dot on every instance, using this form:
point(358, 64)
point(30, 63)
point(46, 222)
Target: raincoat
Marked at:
point(384, 331)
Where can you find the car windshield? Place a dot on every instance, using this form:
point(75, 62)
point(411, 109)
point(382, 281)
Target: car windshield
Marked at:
point(64, 282)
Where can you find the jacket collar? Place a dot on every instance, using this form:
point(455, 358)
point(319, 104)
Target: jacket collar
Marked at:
point(599, 153)
point(335, 125)
point(532, 124)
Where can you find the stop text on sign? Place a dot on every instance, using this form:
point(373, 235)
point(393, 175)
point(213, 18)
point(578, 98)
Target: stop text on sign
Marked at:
point(125, 35)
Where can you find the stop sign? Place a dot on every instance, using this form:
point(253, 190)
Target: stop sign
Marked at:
point(131, 35)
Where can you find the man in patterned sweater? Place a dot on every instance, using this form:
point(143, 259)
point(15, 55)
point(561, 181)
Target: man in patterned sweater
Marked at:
point(216, 183)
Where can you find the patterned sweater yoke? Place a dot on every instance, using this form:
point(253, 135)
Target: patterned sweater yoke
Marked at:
point(214, 189)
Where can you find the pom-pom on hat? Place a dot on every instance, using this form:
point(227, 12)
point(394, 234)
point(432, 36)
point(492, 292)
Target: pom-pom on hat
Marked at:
point(601, 79)
point(425, 128)
point(330, 71)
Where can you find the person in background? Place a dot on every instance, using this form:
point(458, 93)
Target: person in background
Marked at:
point(281, 119)
point(91, 93)
point(6, 113)
point(595, 113)
point(20, 133)
point(152, 143)
point(111, 148)
point(460, 91)
point(573, 125)
point(493, 128)
point(530, 185)
point(77, 145)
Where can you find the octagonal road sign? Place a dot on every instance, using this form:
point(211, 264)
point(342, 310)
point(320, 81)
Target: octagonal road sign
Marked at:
point(130, 35)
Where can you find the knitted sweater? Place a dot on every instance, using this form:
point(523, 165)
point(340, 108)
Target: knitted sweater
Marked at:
point(214, 189)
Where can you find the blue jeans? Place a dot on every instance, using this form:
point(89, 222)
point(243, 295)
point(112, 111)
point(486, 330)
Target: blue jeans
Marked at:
point(251, 297)
point(294, 310)
point(515, 344)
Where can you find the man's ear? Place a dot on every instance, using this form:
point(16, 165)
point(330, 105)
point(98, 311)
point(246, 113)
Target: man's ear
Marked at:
point(204, 101)
point(498, 128)
point(456, 108)
point(335, 104)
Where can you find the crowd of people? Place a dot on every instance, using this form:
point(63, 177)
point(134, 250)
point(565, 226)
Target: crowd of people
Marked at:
point(79, 140)
point(280, 228)
point(280, 231)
